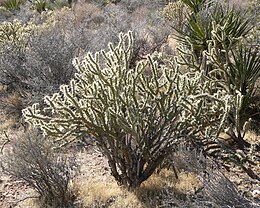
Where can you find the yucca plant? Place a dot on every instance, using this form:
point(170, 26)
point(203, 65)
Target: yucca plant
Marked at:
point(229, 26)
point(215, 20)
point(196, 34)
point(244, 70)
point(12, 4)
point(211, 41)
point(41, 5)
point(194, 5)
point(239, 75)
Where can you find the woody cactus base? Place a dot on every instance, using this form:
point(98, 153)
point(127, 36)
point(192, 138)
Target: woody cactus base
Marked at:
point(136, 114)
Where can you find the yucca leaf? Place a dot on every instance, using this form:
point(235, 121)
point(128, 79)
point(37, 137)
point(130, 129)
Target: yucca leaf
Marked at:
point(194, 5)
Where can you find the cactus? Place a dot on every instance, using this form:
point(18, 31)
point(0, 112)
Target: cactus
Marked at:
point(238, 73)
point(15, 33)
point(213, 23)
point(212, 42)
point(135, 113)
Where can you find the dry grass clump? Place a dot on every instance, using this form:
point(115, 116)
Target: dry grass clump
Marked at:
point(221, 191)
point(188, 183)
point(3, 88)
point(12, 104)
point(6, 123)
point(96, 193)
point(100, 193)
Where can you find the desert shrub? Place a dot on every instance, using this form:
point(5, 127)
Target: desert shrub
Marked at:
point(44, 61)
point(175, 12)
point(58, 4)
point(24, 14)
point(104, 2)
point(34, 58)
point(33, 161)
point(44, 5)
point(49, 59)
point(149, 29)
point(136, 114)
point(13, 42)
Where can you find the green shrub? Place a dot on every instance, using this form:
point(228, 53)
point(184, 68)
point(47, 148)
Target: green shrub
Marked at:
point(136, 114)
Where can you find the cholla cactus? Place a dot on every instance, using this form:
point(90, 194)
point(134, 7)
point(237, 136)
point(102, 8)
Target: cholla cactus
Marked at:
point(237, 70)
point(15, 33)
point(210, 44)
point(136, 115)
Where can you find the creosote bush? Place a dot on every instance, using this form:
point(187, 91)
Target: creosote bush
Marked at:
point(136, 114)
point(33, 161)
